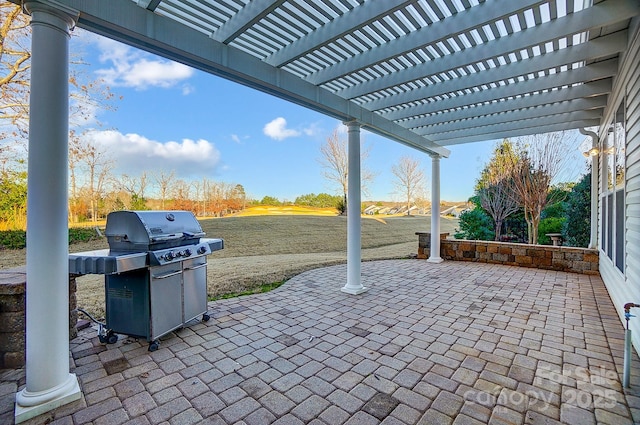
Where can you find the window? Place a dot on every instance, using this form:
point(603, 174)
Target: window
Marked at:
point(612, 199)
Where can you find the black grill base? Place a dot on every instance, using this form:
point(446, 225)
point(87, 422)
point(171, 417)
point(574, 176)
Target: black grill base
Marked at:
point(127, 303)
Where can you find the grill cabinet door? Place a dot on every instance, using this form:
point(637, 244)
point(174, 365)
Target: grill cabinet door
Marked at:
point(166, 299)
point(195, 287)
point(127, 302)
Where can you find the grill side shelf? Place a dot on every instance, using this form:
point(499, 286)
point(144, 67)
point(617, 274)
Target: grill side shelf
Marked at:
point(105, 262)
point(214, 244)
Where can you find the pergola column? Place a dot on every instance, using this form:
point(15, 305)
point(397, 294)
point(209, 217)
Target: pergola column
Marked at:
point(354, 219)
point(595, 176)
point(434, 251)
point(49, 383)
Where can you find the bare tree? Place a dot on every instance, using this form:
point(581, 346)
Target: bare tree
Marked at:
point(205, 188)
point(409, 179)
point(541, 160)
point(422, 199)
point(495, 187)
point(98, 166)
point(219, 195)
point(163, 180)
point(14, 70)
point(181, 195)
point(134, 188)
point(74, 159)
point(335, 162)
point(90, 166)
point(199, 195)
point(86, 96)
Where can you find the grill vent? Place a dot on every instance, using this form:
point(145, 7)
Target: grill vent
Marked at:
point(120, 293)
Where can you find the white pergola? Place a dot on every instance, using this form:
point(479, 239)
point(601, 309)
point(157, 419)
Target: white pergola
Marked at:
point(424, 73)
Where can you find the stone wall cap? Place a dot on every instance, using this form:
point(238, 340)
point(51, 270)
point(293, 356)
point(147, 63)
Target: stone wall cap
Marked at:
point(12, 281)
point(577, 249)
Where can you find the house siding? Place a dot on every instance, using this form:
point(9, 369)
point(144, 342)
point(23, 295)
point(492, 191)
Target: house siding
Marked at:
point(625, 287)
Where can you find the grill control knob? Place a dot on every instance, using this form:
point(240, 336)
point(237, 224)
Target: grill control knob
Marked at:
point(186, 253)
point(169, 256)
point(202, 250)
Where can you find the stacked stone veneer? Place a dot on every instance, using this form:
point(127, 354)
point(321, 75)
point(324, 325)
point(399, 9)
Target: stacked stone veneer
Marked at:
point(562, 258)
point(12, 316)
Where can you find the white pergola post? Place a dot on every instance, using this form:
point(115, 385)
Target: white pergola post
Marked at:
point(49, 383)
point(595, 176)
point(354, 219)
point(434, 251)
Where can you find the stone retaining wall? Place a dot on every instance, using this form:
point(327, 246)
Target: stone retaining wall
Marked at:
point(12, 316)
point(562, 258)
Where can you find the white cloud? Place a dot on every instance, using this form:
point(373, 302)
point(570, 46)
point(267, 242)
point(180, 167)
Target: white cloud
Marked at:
point(312, 130)
point(134, 153)
point(137, 69)
point(277, 129)
point(188, 89)
point(240, 140)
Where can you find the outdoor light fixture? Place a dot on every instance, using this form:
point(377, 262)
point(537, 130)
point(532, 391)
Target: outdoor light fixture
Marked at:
point(591, 152)
point(596, 151)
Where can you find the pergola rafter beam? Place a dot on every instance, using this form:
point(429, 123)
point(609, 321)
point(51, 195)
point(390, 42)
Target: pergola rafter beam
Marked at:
point(253, 12)
point(543, 121)
point(593, 72)
point(523, 131)
point(600, 47)
point(515, 116)
point(339, 27)
point(596, 88)
point(605, 13)
point(425, 36)
point(149, 4)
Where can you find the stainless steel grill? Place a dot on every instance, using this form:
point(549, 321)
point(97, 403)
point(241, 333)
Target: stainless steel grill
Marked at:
point(155, 273)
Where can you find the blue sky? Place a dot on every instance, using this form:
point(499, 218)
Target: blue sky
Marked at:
point(173, 118)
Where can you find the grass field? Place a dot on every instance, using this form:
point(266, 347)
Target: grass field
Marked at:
point(268, 235)
point(285, 210)
point(269, 248)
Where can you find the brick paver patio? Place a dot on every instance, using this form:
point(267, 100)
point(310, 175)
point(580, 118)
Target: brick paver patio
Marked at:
point(450, 343)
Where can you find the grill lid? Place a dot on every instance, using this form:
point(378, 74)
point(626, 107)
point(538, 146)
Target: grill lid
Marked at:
point(151, 230)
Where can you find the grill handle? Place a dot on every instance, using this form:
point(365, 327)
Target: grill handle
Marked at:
point(122, 236)
point(166, 275)
point(167, 238)
point(196, 267)
point(176, 236)
point(193, 235)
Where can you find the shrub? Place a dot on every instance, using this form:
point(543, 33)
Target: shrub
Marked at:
point(475, 225)
point(271, 201)
point(342, 206)
point(17, 239)
point(13, 239)
point(549, 225)
point(321, 200)
point(82, 234)
point(577, 228)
